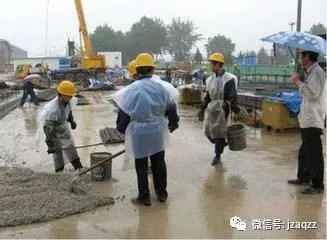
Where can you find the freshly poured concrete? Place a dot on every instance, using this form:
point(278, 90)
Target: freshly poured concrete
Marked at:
point(250, 184)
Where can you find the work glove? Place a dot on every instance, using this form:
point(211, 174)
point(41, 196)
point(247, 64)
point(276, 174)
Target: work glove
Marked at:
point(172, 128)
point(73, 124)
point(201, 115)
point(51, 149)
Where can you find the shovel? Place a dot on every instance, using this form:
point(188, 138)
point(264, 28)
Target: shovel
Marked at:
point(72, 186)
point(85, 146)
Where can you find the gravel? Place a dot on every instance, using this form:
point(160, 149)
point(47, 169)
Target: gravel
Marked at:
point(29, 197)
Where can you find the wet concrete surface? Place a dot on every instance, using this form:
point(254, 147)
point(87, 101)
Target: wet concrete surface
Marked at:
point(250, 184)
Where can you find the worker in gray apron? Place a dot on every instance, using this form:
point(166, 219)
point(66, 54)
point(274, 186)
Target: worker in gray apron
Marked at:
point(220, 98)
point(57, 114)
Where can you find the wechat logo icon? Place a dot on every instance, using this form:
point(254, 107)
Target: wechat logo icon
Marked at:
point(236, 222)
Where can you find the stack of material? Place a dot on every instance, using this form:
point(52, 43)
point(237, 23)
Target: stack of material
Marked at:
point(189, 94)
point(250, 100)
point(111, 135)
point(82, 101)
point(47, 95)
point(8, 106)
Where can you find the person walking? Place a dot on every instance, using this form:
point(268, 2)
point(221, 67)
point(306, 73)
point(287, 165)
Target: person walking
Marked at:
point(220, 98)
point(200, 76)
point(29, 83)
point(143, 108)
point(311, 119)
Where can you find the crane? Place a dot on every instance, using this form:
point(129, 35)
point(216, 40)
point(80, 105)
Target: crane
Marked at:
point(92, 60)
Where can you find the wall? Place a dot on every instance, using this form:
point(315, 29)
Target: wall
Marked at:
point(9, 52)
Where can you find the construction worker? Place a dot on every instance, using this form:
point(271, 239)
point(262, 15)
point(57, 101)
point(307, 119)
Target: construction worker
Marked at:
point(143, 108)
point(220, 98)
point(56, 115)
point(312, 120)
point(200, 76)
point(132, 70)
point(28, 90)
point(237, 73)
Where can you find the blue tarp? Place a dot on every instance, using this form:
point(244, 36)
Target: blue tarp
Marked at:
point(292, 100)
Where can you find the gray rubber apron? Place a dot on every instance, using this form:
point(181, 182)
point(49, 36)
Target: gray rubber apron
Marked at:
point(215, 125)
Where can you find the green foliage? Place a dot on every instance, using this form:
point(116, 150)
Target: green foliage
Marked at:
point(263, 57)
point(221, 44)
point(198, 56)
point(181, 38)
point(105, 38)
point(317, 29)
point(147, 35)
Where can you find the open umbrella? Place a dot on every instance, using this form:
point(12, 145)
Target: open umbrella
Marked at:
point(299, 40)
point(32, 78)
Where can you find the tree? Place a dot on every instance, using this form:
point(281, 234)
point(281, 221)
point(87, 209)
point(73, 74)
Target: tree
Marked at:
point(221, 44)
point(263, 57)
point(181, 38)
point(147, 35)
point(104, 38)
point(317, 29)
point(198, 56)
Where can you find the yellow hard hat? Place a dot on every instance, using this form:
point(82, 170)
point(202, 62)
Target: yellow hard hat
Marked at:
point(144, 60)
point(203, 68)
point(132, 68)
point(66, 88)
point(217, 57)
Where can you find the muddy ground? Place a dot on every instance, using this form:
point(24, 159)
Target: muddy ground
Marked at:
point(250, 184)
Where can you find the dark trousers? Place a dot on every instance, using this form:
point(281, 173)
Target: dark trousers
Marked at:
point(25, 95)
point(220, 144)
point(159, 172)
point(310, 157)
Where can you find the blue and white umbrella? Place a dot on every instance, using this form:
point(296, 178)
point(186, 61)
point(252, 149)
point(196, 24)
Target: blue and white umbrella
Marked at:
point(299, 40)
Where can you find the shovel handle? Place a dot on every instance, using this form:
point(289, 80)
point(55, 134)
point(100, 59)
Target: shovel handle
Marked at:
point(99, 163)
point(84, 146)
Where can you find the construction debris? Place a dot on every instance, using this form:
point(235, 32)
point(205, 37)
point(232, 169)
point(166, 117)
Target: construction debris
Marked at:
point(111, 135)
point(28, 197)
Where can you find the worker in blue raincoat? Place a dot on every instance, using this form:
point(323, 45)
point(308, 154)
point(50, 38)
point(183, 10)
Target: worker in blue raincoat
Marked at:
point(144, 107)
point(56, 115)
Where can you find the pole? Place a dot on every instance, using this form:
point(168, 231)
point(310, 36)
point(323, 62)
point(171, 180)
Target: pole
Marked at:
point(298, 29)
point(299, 9)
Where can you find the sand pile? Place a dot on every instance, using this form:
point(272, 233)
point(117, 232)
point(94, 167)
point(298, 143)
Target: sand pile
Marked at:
point(29, 197)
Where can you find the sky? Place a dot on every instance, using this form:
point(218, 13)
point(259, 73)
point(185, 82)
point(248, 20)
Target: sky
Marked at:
point(26, 24)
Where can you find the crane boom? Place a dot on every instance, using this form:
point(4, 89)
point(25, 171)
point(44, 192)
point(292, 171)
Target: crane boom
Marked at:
point(83, 30)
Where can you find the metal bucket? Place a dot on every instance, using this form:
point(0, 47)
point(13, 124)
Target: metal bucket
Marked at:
point(102, 172)
point(236, 137)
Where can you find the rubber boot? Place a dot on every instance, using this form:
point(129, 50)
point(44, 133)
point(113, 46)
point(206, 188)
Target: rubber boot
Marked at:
point(77, 163)
point(59, 169)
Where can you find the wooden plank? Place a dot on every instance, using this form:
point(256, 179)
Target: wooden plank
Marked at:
point(111, 135)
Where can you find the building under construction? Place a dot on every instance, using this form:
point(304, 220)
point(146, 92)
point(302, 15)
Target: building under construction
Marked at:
point(9, 52)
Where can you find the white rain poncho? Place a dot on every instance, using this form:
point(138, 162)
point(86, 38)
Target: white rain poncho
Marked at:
point(146, 102)
point(215, 124)
point(53, 112)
